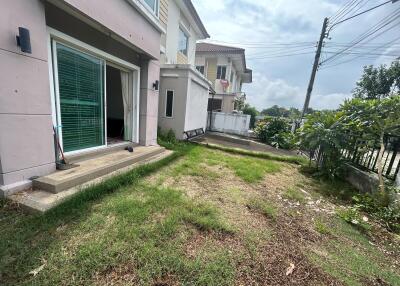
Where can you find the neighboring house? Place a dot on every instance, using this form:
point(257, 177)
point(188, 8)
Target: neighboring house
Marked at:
point(92, 74)
point(226, 68)
point(183, 90)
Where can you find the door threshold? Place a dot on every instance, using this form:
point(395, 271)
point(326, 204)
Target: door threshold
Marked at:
point(86, 155)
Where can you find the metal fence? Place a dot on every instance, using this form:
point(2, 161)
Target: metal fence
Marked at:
point(363, 153)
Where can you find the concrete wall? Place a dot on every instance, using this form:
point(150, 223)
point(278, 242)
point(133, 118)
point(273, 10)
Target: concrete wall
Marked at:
point(366, 182)
point(26, 135)
point(230, 123)
point(196, 105)
point(121, 18)
point(148, 116)
point(176, 80)
point(190, 99)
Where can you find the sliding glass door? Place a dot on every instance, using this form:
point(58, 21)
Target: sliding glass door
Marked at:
point(81, 98)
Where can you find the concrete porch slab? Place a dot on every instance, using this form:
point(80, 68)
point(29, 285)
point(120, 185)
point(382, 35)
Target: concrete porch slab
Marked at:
point(93, 168)
point(234, 141)
point(41, 201)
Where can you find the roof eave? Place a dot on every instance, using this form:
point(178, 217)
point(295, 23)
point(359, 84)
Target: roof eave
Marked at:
point(196, 18)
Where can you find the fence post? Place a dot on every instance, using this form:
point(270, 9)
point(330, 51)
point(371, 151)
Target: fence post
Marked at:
point(397, 182)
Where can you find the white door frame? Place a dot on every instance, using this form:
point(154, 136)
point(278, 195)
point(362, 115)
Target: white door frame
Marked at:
point(55, 36)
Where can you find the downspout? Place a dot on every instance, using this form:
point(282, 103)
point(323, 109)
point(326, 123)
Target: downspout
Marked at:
point(211, 111)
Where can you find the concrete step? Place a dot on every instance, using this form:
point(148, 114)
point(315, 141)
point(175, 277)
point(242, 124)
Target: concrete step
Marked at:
point(37, 200)
point(93, 168)
point(76, 158)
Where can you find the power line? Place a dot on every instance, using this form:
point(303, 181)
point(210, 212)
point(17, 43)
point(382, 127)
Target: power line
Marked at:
point(342, 52)
point(368, 33)
point(359, 56)
point(348, 12)
point(356, 15)
point(341, 11)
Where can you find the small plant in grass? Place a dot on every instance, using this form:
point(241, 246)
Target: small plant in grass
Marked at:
point(294, 195)
point(321, 227)
point(266, 208)
point(378, 207)
point(352, 215)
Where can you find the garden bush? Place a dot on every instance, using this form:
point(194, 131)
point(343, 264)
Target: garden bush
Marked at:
point(320, 132)
point(275, 132)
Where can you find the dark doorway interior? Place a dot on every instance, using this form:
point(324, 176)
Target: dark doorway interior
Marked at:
point(115, 106)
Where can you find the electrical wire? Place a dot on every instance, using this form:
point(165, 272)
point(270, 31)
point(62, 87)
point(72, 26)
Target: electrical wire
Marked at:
point(341, 10)
point(386, 45)
point(382, 24)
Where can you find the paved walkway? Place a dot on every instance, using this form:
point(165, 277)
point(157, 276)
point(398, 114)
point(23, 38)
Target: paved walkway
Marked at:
point(241, 143)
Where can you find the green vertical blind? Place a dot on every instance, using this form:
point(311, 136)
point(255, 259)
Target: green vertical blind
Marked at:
point(81, 90)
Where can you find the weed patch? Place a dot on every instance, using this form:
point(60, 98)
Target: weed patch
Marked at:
point(294, 195)
point(321, 227)
point(265, 208)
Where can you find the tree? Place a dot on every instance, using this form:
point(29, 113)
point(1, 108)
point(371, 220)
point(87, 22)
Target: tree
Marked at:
point(239, 103)
point(294, 113)
point(378, 82)
point(275, 131)
point(375, 117)
point(252, 111)
point(277, 111)
point(321, 132)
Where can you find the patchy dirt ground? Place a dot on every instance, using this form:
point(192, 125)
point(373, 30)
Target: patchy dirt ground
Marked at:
point(209, 218)
point(279, 248)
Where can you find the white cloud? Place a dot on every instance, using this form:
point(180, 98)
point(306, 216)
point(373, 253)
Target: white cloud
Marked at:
point(283, 81)
point(265, 92)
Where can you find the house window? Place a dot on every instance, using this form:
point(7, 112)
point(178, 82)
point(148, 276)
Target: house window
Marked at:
point(200, 69)
point(221, 72)
point(153, 5)
point(183, 42)
point(169, 103)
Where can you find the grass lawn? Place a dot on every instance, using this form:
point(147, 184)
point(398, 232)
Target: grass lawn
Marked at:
point(200, 217)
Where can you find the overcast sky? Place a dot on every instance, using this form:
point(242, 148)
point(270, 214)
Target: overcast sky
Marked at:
point(284, 80)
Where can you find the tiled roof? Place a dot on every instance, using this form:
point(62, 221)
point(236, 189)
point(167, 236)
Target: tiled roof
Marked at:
point(208, 47)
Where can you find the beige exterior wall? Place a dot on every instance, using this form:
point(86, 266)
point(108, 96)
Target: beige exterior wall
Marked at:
point(26, 127)
point(210, 63)
point(164, 12)
point(211, 70)
point(182, 59)
point(176, 19)
point(228, 103)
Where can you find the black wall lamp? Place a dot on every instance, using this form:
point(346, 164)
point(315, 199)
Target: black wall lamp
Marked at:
point(156, 85)
point(24, 40)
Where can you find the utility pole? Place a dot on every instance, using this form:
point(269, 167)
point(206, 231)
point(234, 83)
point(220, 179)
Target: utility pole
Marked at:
point(315, 67)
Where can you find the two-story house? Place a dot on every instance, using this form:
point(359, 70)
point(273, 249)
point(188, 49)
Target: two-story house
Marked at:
point(225, 67)
point(75, 76)
point(183, 90)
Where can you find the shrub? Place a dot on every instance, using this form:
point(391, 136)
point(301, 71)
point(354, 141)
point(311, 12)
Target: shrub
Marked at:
point(275, 132)
point(166, 136)
point(320, 132)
